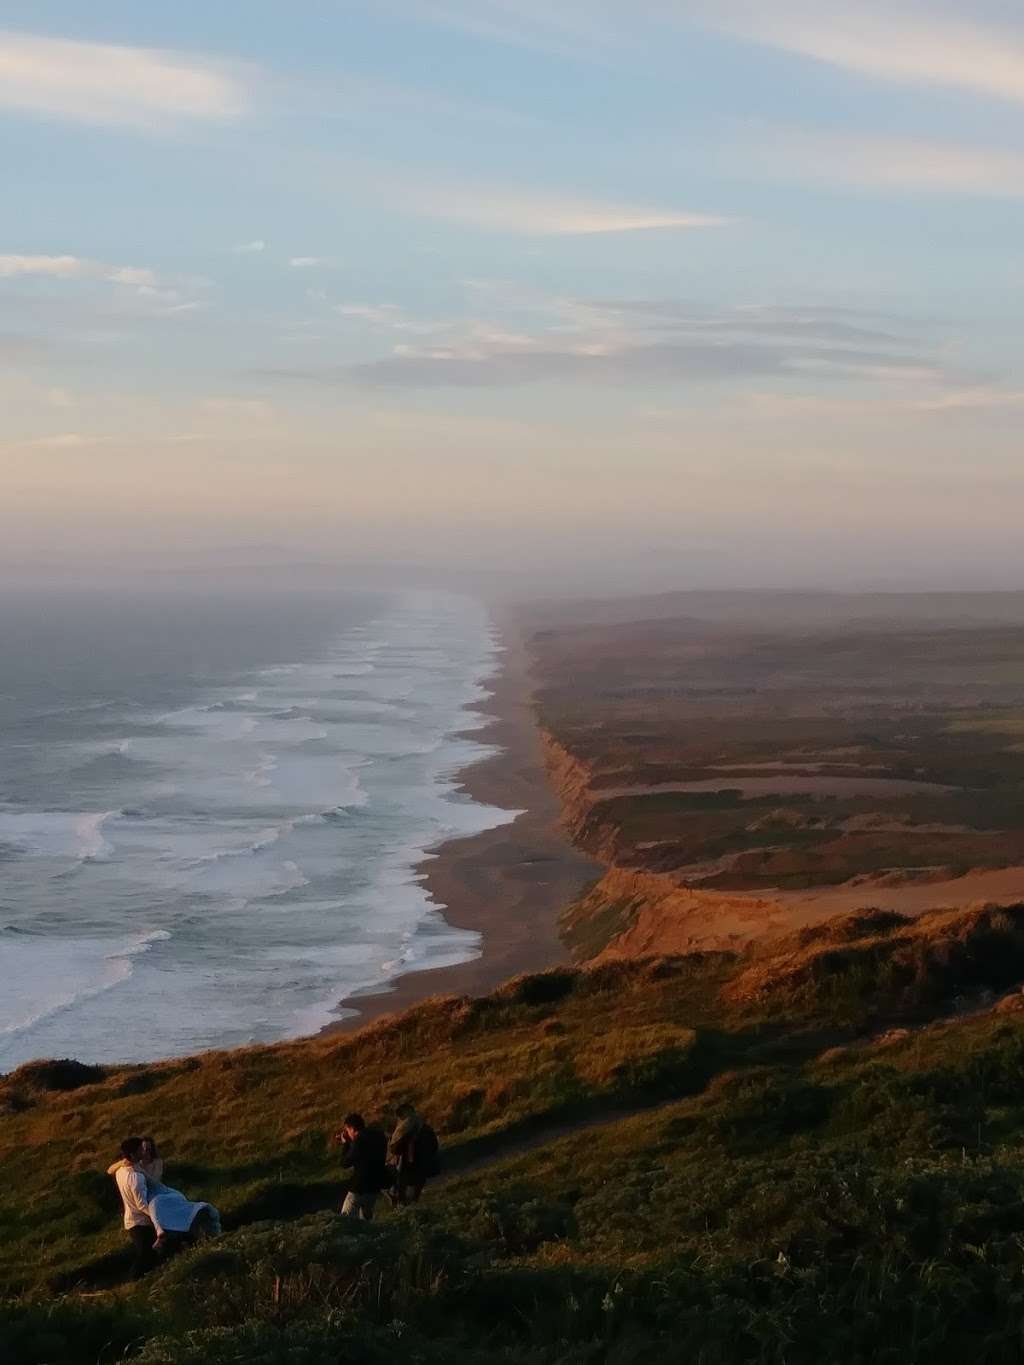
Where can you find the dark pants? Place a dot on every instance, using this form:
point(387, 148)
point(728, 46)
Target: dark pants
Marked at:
point(409, 1189)
point(141, 1240)
point(359, 1205)
point(171, 1243)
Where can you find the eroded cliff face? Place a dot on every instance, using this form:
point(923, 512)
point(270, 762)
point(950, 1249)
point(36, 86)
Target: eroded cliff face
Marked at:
point(628, 912)
point(633, 912)
point(572, 779)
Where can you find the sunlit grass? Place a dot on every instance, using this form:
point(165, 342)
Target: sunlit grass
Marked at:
point(653, 1158)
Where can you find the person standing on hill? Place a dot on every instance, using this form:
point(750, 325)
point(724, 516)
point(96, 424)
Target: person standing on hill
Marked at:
point(134, 1191)
point(365, 1151)
point(414, 1148)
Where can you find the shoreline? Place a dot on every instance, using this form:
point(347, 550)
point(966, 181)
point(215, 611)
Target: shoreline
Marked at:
point(509, 883)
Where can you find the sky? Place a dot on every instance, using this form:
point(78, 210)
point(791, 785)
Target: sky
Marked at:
point(661, 294)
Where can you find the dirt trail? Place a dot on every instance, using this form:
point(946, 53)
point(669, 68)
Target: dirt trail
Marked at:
point(531, 1142)
point(802, 1048)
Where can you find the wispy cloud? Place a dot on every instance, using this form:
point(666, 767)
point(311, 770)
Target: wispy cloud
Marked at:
point(389, 317)
point(900, 164)
point(76, 268)
point(812, 325)
point(503, 207)
point(536, 214)
point(645, 342)
point(304, 262)
point(108, 84)
point(674, 361)
point(388, 314)
point(908, 41)
point(911, 43)
point(253, 248)
point(139, 290)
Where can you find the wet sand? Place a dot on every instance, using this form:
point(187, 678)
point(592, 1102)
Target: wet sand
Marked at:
point(509, 884)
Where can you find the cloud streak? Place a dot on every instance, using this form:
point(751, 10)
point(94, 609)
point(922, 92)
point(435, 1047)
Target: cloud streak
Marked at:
point(506, 208)
point(676, 361)
point(904, 165)
point(643, 342)
point(103, 83)
point(902, 41)
point(137, 291)
point(530, 213)
point(914, 44)
point(75, 268)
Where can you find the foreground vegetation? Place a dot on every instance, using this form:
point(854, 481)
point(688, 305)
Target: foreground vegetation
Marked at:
point(814, 1153)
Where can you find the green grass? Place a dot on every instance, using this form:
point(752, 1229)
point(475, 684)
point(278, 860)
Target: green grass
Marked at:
point(679, 1169)
point(249, 1129)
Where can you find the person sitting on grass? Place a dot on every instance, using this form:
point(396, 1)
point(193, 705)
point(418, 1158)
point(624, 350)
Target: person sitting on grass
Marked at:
point(414, 1148)
point(364, 1151)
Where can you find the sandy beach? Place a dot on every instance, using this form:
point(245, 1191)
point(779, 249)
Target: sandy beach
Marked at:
point(510, 883)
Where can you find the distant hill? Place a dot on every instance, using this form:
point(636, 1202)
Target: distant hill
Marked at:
point(772, 608)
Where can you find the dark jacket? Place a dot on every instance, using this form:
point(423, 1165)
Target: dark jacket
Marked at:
point(414, 1147)
point(367, 1156)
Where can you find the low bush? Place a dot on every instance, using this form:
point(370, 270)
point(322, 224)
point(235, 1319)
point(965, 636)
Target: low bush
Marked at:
point(71, 1331)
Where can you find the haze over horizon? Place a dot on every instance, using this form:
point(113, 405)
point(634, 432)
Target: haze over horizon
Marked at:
point(617, 298)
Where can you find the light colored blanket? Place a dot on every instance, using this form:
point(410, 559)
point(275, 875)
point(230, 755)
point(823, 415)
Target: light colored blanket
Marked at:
point(170, 1211)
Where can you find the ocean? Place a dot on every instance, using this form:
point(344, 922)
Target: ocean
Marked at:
point(212, 809)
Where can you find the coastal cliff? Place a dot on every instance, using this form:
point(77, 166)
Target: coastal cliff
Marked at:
point(735, 783)
point(631, 911)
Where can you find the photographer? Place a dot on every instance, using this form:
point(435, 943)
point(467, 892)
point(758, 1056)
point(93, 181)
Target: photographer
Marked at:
point(364, 1151)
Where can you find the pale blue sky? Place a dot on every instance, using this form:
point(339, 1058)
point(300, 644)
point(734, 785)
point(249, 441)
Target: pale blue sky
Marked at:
point(731, 287)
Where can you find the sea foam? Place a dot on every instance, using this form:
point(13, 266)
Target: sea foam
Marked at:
point(255, 858)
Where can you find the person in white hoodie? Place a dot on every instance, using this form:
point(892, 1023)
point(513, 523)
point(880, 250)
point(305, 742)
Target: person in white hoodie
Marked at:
point(134, 1191)
point(154, 1209)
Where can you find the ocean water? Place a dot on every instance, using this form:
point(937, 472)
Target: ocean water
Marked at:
point(212, 809)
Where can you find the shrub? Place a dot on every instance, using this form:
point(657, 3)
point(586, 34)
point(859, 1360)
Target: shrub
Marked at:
point(279, 1271)
point(62, 1074)
point(540, 988)
point(258, 1343)
point(514, 1222)
point(69, 1331)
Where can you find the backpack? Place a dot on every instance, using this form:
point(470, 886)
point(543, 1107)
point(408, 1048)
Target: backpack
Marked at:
point(428, 1158)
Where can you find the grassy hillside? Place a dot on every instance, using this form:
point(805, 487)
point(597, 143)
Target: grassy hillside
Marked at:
point(810, 1153)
